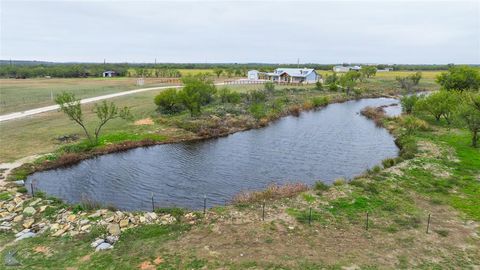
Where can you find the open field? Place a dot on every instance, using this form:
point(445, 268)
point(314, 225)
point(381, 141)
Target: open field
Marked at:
point(36, 135)
point(439, 178)
point(23, 94)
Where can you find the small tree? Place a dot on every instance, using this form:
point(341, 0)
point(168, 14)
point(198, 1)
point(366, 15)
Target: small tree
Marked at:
point(218, 72)
point(368, 71)
point(460, 78)
point(168, 102)
point(469, 114)
point(349, 81)
point(105, 112)
point(319, 85)
point(197, 91)
point(407, 83)
point(408, 103)
point(438, 104)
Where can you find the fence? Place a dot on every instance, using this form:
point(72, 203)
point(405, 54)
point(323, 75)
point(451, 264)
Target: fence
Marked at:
point(263, 206)
point(248, 82)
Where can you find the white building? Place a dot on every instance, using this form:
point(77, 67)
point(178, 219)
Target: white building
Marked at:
point(287, 75)
point(253, 75)
point(109, 73)
point(346, 69)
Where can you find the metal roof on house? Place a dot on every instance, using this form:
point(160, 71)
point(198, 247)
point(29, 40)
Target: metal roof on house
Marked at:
point(293, 72)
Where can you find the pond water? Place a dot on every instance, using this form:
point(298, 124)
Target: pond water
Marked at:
point(327, 144)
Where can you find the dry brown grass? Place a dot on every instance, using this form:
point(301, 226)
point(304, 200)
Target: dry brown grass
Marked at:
point(273, 191)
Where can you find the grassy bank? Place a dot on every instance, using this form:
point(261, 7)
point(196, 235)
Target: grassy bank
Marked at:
point(437, 174)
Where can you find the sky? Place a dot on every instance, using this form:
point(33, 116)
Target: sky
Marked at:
point(269, 31)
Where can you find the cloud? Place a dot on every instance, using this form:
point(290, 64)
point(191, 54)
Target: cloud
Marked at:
point(242, 31)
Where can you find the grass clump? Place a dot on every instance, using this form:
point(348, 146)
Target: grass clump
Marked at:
point(273, 191)
point(339, 182)
point(321, 186)
point(176, 212)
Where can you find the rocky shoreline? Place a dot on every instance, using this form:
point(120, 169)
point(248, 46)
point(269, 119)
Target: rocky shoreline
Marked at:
point(28, 217)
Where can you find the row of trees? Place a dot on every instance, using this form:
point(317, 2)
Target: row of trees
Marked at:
point(458, 101)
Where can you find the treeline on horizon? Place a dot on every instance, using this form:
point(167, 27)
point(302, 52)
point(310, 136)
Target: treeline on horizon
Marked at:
point(33, 69)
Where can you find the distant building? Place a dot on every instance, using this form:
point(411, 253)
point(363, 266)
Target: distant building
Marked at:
point(109, 73)
point(346, 68)
point(287, 75)
point(253, 75)
point(385, 69)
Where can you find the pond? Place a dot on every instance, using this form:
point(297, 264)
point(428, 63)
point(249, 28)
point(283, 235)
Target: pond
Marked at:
point(324, 145)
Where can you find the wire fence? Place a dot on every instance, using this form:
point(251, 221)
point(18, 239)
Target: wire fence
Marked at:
point(309, 219)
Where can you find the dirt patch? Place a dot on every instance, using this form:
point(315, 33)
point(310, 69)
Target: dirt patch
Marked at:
point(147, 265)
point(145, 121)
point(44, 250)
point(86, 258)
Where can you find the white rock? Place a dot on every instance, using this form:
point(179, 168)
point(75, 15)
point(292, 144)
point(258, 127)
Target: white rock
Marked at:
point(29, 210)
point(25, 235)
point(96, 243)
point(103, 246)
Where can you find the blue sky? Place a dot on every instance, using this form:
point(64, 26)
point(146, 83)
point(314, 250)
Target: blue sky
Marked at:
point(242, 31)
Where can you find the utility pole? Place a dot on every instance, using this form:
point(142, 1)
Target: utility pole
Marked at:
point(298, 62)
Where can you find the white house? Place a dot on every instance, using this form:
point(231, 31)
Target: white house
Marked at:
point(287, 75)
point(346, 69)
point(109, 73)
point(253, 75)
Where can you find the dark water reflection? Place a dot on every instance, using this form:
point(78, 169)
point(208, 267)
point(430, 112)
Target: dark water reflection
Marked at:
point(321, 145)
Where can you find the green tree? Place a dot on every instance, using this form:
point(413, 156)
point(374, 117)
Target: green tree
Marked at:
point(368, 71)
point(460, 78)
point(105, 112)
point(349, 80)
point(438, 104)
point(469, 114)
point(408, 83)
point(218, 72)
point(408, 103)
point(197, 91)
point(168, 101)
point(319, 86)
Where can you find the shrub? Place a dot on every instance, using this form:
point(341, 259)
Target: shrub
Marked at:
point(357, 92)
point(321, 186)
point(168, 102)
point(389, 162)
point(408, 103)
point(413, 124)
point(256, 96)
point(258, 110)
point(228, 96)
point(319, 101)
point(339, 182)
point(269, 87)
point(333, 87)
point(319, 86)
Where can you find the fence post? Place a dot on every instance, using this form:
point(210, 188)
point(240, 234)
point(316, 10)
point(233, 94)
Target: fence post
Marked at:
point(153, 204)
point(263, 211)
point(205, 204)
point(428, 222)
point(366, 225)
point(310, 216)
point(31, 187)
